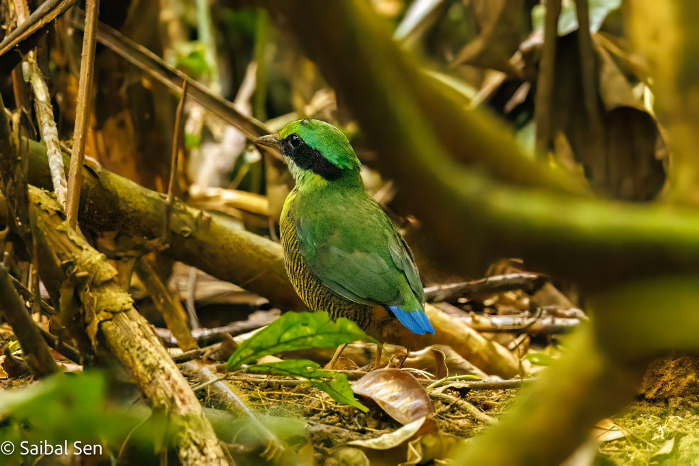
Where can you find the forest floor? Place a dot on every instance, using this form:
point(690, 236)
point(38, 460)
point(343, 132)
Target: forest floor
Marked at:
point(645, 433)
point(322, 431)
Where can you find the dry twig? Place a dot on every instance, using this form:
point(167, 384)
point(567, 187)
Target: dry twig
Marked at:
point(44, 113)
point(87, 58)
point(35, 350)
point(529, 282)
point(171, 309)
point(546, 79)
point(23, 37)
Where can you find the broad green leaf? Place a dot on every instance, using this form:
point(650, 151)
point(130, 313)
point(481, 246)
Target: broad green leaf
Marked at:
point(297, 331)
point(568, 21)
point(70, 407)
point(333, 383)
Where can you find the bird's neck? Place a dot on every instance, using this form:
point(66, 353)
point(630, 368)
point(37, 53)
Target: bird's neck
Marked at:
point(310, 182)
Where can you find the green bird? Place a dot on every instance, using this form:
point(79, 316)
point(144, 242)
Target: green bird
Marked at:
point(342, 253)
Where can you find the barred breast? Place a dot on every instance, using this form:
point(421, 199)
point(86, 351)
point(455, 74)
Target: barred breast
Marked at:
point(310, 289)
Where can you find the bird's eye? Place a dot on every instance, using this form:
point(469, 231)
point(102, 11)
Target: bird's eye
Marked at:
point(295, 141)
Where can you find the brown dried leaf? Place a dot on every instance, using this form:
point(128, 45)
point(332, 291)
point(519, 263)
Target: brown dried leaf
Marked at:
point(606, 431)
point(392, 439)
point(628, 167)
point(396, 392)
point(502, 26)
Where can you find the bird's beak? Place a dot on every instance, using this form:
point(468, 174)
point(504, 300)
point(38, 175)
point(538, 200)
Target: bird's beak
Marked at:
point(269, 140)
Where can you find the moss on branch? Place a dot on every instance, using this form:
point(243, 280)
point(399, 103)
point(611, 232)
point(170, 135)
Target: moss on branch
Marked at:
point(66, 259)
point(110, 202)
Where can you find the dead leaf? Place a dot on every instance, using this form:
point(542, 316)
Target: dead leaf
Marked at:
point(396, 392)
point(502, 25)
point(627, 165)
point(68, 366)
point(392, 439)
point(3, 374)
point(441, 359)
point(347, 456)
point(432, 446)
point(606, 431)
point(666, 448)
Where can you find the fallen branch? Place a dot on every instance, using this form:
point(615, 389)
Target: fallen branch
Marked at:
point(111, 319)
point(530, 282)
point(209, 335)
point(209, 242)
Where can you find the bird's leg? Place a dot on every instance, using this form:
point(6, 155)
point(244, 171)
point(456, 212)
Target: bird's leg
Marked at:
point(379, 353)
point(336, 356)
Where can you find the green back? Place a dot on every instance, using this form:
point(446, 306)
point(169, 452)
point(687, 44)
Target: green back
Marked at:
point(352, 247)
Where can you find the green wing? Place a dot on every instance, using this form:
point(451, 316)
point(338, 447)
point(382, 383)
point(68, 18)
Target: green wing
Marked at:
point(354, 250)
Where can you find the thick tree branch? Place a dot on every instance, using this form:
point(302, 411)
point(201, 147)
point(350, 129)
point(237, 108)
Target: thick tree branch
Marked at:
point(111, 318)
point(110, 202)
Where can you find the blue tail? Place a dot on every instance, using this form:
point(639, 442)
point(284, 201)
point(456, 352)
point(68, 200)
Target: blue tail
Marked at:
point(415, 321)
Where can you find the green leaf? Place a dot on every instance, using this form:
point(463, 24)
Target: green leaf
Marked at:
point(69, 407)
point(192, 59)
point(540, 359)
point(333, 383)
point(297, 331)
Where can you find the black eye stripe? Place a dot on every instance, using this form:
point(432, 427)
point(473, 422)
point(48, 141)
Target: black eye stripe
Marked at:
point(307, 158)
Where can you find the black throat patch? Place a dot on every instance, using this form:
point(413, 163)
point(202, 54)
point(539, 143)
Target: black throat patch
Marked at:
point(308, 158)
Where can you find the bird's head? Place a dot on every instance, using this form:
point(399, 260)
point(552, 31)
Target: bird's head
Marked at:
point(315, 150)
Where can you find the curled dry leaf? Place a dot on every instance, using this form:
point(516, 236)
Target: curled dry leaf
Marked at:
point(606, 431)
point(396, 392)
point(392, 439)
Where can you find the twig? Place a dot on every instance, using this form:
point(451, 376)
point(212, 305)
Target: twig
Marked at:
point(208, 335)
point(29, 296)
point(533, 325)
point(155, 67)
point(477, 384)
point(274, 446)
point(60, 346)
point(529, 282)
point(44, 113)
point(22, 38)
point(191, 354)
point(35, 349)
point(589, 81)
point(464, 406)
point(189, 301)
point(87, 58)
point(199, 239)
point(171, 309)
point(546, 79)
point(174, 152)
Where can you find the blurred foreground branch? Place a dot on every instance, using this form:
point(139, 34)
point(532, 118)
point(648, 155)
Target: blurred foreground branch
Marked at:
point(497, 205)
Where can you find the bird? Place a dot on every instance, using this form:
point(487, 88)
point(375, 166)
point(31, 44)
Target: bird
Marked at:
point(342, 253)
